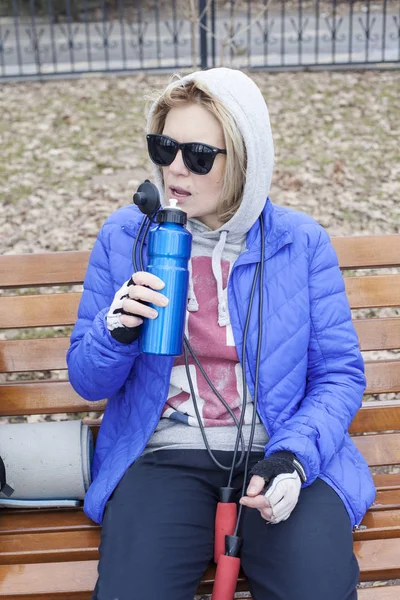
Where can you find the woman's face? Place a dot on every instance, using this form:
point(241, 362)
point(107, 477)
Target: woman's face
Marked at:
point(197, 195)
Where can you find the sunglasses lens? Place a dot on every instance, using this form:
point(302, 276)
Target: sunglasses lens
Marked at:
point(162, 150)
point(199, 158)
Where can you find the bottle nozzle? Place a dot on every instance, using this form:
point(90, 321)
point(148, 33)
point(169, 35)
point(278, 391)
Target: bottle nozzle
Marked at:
point(172, 213)
point(147, 198)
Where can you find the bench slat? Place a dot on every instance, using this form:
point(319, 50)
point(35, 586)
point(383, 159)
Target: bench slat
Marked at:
point(391, 592)
point(74, 519)
point(378, 334)
point(372, 417)
point(33, 355)
point(49, 397)
point(387, 481)
point(380, 449)
point(379, 524)
point(73, 580)
point(29, 546)
point(377, 416)
point(383, 376)
point(45, 310)
point(50, 546)
point(44, 520)
point(54, 268)
point(367, 251)
point(373, 291)
point(44, 397)
point(49, 353)
point(59, 268)
point(378, 561)
point(388, 499)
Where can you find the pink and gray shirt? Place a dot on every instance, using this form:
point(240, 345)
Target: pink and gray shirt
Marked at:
point(210, 335)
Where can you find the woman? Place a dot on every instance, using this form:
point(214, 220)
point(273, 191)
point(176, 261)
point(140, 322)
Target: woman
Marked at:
point(155, 486)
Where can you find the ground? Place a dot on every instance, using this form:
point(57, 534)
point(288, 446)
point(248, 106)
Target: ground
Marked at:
point(74, 151)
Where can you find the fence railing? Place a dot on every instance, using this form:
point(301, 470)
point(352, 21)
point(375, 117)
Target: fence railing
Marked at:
point(60, 37)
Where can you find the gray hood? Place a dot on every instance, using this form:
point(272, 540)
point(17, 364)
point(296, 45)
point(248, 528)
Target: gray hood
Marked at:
point(245, 102)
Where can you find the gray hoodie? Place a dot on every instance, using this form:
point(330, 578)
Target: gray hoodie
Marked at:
point(244, 100)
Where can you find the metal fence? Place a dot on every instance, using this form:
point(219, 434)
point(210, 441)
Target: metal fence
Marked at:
point(61, 37)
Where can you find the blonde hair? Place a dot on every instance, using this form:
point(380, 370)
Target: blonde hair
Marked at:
point(193, 92)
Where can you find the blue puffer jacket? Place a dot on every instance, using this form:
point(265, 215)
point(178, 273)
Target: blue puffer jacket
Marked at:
point(311, 375)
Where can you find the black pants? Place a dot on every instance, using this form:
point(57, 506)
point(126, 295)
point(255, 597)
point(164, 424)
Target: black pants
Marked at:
point(157, 536)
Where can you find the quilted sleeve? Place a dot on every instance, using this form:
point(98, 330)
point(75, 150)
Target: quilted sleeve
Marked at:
point(98, 365)
point(335, 372)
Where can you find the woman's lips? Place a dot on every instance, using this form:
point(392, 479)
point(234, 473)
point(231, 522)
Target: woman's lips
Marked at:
point(178, 193)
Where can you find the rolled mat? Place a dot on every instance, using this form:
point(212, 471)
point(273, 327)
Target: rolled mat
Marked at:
point(47, 464)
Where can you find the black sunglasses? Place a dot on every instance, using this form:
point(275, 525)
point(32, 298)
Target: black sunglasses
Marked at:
point(197, 157)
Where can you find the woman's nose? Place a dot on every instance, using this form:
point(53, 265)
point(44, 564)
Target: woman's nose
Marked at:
point(177, 166)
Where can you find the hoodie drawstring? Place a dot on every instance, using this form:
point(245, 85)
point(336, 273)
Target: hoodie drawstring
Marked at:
point(192, 305)
point(223, 313)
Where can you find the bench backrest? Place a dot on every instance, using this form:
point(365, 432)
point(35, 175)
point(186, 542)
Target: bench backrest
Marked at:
point(37, 316)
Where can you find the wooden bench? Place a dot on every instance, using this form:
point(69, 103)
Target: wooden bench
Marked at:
point(52, 554)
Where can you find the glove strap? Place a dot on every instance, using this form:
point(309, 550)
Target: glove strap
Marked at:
point(300, 470)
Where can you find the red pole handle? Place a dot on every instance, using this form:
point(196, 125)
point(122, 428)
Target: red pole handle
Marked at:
point(226, 578)
point(225, 523)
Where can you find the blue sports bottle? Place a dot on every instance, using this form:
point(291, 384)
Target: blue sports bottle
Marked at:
point(169, 248)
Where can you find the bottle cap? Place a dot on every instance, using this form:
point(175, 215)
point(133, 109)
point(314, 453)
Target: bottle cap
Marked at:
point(172, 214)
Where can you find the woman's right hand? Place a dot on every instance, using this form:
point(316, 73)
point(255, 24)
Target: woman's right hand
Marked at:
point(130, 305)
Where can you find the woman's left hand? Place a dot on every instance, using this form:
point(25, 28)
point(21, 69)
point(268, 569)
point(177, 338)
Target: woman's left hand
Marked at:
point(278, 502)
point(283, 475)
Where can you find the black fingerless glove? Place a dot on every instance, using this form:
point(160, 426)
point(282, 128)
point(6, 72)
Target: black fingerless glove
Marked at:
point(275, 464)
point(121, 333)
point(126, 335)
